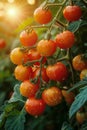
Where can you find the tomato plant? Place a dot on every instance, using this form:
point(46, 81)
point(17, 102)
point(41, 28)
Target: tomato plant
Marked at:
point(51, 92)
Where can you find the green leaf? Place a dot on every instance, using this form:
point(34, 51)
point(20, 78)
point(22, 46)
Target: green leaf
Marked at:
point(16, 95)
point(74, 26)
point(15, 121)
point(80, 100)
point(66, 126)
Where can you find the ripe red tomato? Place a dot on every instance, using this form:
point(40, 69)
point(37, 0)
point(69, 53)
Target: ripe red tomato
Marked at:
point(22, 72)
point(79, 63)
point(52, 96)
point(2, 43)
point(28, 38)
point(35, 106)
point(42, 16)
point(65, 40)
point(43, 74)
point(28, 89)
point(46, 47)
point(72, 13)
point(57, 72)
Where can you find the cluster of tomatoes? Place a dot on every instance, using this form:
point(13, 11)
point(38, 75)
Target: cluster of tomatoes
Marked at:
point(32, 63)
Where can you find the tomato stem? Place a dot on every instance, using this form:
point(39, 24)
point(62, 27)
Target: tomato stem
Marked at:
point(58, 23)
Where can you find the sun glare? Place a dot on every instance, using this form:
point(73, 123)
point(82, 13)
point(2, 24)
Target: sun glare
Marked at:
point(12, 12)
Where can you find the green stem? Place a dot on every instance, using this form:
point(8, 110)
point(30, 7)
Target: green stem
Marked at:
point(58, 23)
point(56, 16)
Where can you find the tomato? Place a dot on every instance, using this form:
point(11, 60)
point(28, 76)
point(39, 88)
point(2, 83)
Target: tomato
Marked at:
point(35, 106)
point(80, 117)
point(42, 16)
point(52, 96)
point(57, 72)
point(46, 47)
point(17, 56)
point(69, 97)
point(65, 40)
point(79, 63)
point(28, 38)
point(28, 89)
point(2, 43)
point(43, 74)
point(22, 72)
point(72, 13)
point(83, 74)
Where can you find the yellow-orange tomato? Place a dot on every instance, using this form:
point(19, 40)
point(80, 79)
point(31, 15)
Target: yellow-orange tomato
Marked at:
point(69, 97)
point(52, 96)
point(83, 74)
point(28, 89)
point(46, 47)
point(22, 72)
point(17, 56)
point(28, 38)
point(79, 63)
point(42, 16)
point(80, 117)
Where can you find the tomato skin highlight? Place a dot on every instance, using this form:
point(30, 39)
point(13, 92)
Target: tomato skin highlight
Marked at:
point(72, 13)
point(35, 107)
point(52, 96)
point(65, 40)
point(28, 38)
point(57, 72)
point(42, 16)
point(28, 89)
point(46, 47)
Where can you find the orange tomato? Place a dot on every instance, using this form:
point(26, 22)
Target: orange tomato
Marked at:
point(28, 89)
point(52, 96)
point(79, 63)
point(83, 74)
point(22, 72)
point(42, 16)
